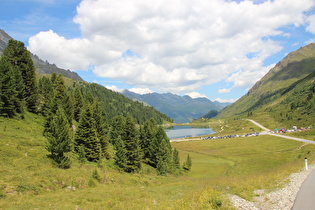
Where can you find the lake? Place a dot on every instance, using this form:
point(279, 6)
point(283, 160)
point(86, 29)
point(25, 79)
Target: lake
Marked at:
point(187, 131)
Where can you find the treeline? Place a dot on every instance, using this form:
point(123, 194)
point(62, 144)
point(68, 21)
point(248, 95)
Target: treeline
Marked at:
point(85, 121)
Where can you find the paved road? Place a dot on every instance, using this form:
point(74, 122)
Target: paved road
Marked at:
point(294, 138)
point(305, 199)
point(259, 125)
point(267, 131)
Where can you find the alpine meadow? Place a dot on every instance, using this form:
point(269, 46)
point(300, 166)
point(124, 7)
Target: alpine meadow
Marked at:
point(69, 144)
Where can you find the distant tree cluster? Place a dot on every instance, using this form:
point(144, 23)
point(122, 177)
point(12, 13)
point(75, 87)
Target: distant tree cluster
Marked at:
point(210, 114)
point(85, 119)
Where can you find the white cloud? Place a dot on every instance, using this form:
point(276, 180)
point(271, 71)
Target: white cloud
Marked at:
point(311, 21)
point(195, 95)
point(182, 46)
point(224, 90)
point(114, 88)
point(225, 100)
point(310, 41)
point(141, 90)
point(245, 79)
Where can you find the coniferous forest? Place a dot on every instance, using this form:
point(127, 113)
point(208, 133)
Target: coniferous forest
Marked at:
point(84, 121)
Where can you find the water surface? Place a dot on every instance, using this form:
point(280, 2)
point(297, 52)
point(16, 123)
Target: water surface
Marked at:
point(187, 131)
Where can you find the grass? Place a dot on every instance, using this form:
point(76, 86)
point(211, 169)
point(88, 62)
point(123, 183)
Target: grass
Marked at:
point(237, 166)
point(251, 163)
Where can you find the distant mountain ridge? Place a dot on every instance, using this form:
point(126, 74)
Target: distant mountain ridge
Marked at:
point(42, 67)
point(286, 92)
point(182, 109)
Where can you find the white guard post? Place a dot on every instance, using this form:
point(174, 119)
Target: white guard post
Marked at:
point(306, 166)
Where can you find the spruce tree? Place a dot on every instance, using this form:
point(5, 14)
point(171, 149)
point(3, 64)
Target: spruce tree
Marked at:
point(46, 92)
point(77, 104)
point(117, 128)
point(86, 135)
point(62, 95)
point(19, 87)
point(20, 57)
point(68, 106)
point(101, 128)
point(59, 142)
point(59, 86)
point(164, 152)
point(52, 107)
point(176, 159)
point(131, 140)
point(148, 140)
point(161, 165)
point(8, 93)
point(120, 155)
point(187, 164)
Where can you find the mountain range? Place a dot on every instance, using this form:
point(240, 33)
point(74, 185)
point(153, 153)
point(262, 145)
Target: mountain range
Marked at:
point(182, 109)
point(42, 67)
point(286, 93)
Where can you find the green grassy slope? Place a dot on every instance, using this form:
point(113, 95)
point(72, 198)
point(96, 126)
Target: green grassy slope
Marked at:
point(237, 166)
point(285, 90)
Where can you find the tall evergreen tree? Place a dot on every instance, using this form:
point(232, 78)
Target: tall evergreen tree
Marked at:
point(176, 159)
point(62, 95)
point(120, 155)
point(59, 142)
point(52, 107)
point(161, 165)
point(101, 128)
point(46, 92)
point(8, 92)
point(188, 163)
point(59, 86)
point(20, 57)
point(164, 152)
point(77, 104)
point(117, 128)
point(148, 140)
point(131, 140)
point(68, 106)
point(86, 135)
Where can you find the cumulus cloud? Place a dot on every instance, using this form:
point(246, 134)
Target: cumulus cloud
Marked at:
point(244, 79)
point(311, 24)
point(114, 88)
point(141, 90)
point(224, 90)
point(196, 95)
point(225, 100)
point(181, 46)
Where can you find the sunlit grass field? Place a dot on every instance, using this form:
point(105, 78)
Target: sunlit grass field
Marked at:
point(219, 167)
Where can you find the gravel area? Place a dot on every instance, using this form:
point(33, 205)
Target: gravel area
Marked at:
point(280, 199)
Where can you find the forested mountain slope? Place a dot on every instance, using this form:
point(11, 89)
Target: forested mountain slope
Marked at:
point(286, 92)
point(116, 104)
point(182, 109)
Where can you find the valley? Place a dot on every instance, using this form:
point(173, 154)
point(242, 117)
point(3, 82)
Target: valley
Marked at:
point(69, 144)
point(236, 166)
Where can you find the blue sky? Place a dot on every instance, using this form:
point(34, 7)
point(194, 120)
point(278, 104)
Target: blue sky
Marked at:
point(217, 48)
